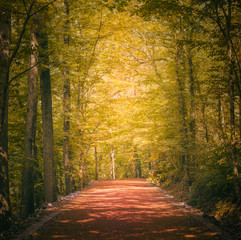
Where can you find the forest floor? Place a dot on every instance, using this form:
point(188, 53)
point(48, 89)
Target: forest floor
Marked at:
point(125, 210)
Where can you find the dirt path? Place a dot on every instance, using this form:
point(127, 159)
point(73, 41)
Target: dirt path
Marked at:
point(125, 210)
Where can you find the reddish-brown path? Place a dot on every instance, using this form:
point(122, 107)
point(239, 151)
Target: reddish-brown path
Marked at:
point(125, 210)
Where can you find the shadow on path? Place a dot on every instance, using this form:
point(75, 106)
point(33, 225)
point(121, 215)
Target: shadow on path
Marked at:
point(124, 210)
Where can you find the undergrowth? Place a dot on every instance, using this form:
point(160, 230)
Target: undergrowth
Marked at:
point(211, 191)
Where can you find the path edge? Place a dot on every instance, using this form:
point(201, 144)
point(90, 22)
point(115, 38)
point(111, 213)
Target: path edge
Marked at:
point(184, 206)
point(33, 228)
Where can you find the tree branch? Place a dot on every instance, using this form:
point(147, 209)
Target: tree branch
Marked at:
point(29, 15)
point(18, 75)
point(24, 3)
point(94, 47)
point(21, 34)
point(42, 8)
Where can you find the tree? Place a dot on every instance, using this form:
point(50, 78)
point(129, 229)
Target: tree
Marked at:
point(155, 94)
point(46, 105)
point(5, 36)
point(222, 13)
point(30, 124)
point(7, 60)
point(66, 107)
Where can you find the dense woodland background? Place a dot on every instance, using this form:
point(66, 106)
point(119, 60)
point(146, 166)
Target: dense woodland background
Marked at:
point(108, 89)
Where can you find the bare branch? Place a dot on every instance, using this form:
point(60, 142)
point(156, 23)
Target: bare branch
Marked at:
point(21, 35)
point(42, 8)
point(29, 15)
point(24, 3)
point(20, 74)
point(94, 47)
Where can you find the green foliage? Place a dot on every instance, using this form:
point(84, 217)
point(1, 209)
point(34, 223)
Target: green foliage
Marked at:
point(149, 81)
point(213, 183)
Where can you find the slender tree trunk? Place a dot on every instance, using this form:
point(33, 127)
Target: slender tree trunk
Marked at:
point(192, 124)
point(137, 161)
point(66, 110)
point(87, 170)
point(221, 119)
point(86, 163)
point(80, 150)
point(233, 139)
point(100, 165)
point(112, 156)
point(232, 130)
point(232, 104)
point(30, 125)
point(185, 161)
point(225, 29)
point(205, 123)
point(96, 164)
point(81, 170)
point(5, 37)
point(203, 105)
point(66, 146)
point(48, 135)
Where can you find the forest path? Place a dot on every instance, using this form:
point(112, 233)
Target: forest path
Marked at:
point(125, 210)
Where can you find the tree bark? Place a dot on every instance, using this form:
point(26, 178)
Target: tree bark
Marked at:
point(112, 156)
point(86, 163)
point(232, 103)
point(81, 170)
point(192, 124)
point(225, 28)
point(183, 111)
point(80, 149)
point(96, 164)
point(80, 134)
point(66, 110)
point(5, 37)
point(221, 119)
point(30, 125)
point(100, 165)
point(46, 106)
point(232, 130)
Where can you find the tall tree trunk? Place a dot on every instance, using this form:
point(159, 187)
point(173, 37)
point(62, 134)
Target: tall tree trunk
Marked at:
point(205, 122)
point(86, 163)
point(66, 146)
point(30, 125)
point(5, 36)
point(185, 161)
point(80, 149)
point(100, 165)
point(112, 157)
point(232, 103)
point(66, 109)
point(87, 170)
point(232, 130)
point(96, 164)
point(225, 29)
point(221, 119)
point(192, 124)
point(233, 137)
point(48, 135)
point(137, 161)
point(81, 170)
point(203, 107)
